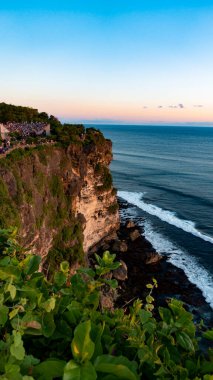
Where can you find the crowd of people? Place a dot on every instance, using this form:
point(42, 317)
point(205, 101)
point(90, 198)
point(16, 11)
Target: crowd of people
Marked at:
point(26, 129)
point(23, 134)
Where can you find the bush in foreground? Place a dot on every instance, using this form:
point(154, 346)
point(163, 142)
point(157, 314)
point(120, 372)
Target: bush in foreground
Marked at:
point(59, 330)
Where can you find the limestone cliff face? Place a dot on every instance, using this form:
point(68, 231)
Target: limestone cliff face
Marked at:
point(61, 199)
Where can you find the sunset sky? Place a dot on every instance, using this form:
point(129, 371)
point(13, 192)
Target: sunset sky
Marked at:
point(109, 61)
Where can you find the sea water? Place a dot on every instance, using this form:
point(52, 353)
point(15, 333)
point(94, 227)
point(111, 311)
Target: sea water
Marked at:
point(166, 173)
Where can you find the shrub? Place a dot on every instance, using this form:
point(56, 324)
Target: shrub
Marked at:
point(105, 177)
point(9, 214)
point(112, 209)
point(59, 329)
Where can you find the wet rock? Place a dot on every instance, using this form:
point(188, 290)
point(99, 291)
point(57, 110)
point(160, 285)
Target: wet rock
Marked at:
point(121, 273)
point(134, 235)
point(153, 258)
point(130, 224)
point(119, 246)
point(105, 247)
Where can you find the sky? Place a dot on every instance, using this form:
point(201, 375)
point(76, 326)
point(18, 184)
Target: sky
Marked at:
point(121, 61)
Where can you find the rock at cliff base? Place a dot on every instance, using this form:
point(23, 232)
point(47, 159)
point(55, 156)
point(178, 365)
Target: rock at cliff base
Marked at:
point(134, 235)
point(121, 273)
point(153, 258)
point(130, 224)
point(119, 246)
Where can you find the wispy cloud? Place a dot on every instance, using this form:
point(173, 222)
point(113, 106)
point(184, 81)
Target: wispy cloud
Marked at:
point(180, 105)
point(198, 106)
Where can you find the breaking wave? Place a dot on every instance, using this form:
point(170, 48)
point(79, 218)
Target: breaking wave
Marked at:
point(165, 215)
point(181, 259)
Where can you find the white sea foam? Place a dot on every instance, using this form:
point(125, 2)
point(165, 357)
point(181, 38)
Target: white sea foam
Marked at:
point(181, 259)
point(176, 256)
point(166, 216)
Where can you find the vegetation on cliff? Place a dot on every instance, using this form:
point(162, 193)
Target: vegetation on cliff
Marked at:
point(59, 329)
point(19, 114)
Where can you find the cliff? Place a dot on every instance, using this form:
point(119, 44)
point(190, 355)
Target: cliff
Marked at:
point(61, 198)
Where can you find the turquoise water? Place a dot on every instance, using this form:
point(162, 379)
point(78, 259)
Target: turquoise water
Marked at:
point(166, 176)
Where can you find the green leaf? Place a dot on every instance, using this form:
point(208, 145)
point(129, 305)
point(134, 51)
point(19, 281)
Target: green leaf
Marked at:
point(10, 273)
point(149, 299)
point(88, 271)
point(12, 372)
point(13, 313)
point(64, 266)
point(3, 315)
point(144, 354)
point(160, 372)
point(49, 369)
point(74, 313)
point(74, 371)
point(12, 290)
point(96, 334)
point(208, 334)
point(28, 363)
point(82, 346)
point(112, 283)
point(5, 261)
point(149, 286)
point(184, 341)
point(60, 279)
point(206, 367)
point(165, 315)
point(31, 264)
point(48, 325)
point(17, 348)
point(207, 377)
point(108, 257)
point(144, 315)
point(49, 305)
point(118, 366)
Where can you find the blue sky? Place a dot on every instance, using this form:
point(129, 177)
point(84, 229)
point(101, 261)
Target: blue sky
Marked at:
point(122, 61)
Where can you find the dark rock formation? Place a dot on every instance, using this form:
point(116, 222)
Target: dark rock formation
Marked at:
point(119, 246)
point(152, 258)
point(121, 273)
point(130, 224)
point(135, 234)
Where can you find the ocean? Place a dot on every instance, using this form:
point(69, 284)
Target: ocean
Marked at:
point(166, 176)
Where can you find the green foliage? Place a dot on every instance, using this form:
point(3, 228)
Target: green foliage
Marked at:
point(11, 113)
point(69, 133)
point(105, 177)
point(67, 244)
point(94, 136)
point(56, 187)
point(112, 209)
point(57, 329)
point(9, 214)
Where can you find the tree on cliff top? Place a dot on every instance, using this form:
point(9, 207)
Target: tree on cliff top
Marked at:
point(19, 114)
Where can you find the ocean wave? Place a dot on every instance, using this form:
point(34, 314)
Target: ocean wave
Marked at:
point(181, 259)
point(165, 215)
point(177, 256)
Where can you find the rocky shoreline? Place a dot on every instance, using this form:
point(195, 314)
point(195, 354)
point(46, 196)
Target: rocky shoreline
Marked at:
point(140, 263)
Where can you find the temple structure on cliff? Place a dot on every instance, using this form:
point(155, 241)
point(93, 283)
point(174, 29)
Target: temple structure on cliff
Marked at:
point(4, 132)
